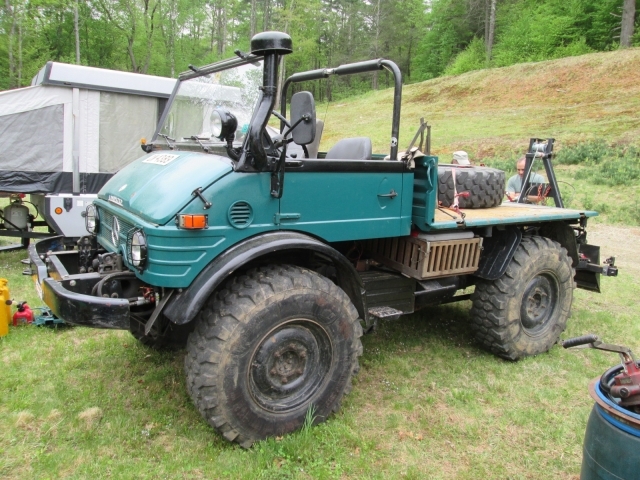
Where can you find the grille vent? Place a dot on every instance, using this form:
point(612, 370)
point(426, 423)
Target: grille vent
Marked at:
point(106, 224)
point(240, 214)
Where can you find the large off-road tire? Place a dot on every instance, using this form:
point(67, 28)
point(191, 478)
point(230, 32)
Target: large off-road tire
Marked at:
point(485, 186)
point(524, 312)
point(274, 344)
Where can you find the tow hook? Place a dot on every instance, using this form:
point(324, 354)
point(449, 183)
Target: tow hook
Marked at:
point(609, 268)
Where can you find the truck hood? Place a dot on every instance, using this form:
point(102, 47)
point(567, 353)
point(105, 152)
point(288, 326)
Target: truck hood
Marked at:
point(155, 187)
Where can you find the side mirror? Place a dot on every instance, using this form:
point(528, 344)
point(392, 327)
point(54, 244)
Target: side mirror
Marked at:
point(303, 118)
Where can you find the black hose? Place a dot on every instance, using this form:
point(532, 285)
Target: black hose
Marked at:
point(97, 288)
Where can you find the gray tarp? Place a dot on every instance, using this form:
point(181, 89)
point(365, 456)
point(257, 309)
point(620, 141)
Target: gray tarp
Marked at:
point(32, 140)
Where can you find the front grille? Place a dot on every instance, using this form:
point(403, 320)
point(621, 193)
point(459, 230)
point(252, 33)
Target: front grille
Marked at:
point(423, 259)
point(104, 234)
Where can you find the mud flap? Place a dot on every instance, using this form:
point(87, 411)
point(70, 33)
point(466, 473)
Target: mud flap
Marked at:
point(588, 279)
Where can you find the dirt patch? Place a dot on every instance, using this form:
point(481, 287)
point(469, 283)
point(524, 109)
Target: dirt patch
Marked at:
point(617, 241)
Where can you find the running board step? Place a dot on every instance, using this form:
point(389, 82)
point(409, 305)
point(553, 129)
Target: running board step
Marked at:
point(385, 313)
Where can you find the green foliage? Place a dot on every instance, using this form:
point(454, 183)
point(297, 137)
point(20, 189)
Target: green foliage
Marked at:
point(534, 31)
point(472, 58)
point(605, 165)
point(448, 34)
point(426, 39)
point(591, 152)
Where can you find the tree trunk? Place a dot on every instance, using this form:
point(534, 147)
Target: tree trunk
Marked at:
point(76, 29)
point(376, 42)
point(12, 33)
point(253, 18)
point(491, 29)
point(20, 51)
point(265, 18)
point(627, 23)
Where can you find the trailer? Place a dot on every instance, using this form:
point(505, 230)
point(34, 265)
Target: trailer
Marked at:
point(64, 137)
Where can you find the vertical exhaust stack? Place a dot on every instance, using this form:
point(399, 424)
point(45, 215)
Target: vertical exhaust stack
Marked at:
point(271, 46)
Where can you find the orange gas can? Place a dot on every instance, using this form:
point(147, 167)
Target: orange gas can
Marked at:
point(5, 309)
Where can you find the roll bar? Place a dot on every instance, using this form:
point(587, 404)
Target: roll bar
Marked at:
point(350, 69)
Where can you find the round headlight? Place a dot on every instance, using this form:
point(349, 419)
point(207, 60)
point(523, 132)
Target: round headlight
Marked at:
point(138, 249)
point(223, 124)
point(91, 219)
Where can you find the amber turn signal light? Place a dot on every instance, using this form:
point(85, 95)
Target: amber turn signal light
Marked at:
point(58, 210)
point(192, 222)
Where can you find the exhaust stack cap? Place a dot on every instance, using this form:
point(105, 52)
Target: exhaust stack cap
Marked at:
point(271, 43)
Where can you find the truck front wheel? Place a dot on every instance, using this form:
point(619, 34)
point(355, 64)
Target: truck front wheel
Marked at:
point(524, 312)
point(275, 344)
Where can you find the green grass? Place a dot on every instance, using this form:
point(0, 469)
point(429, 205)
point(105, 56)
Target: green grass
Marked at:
point(428, 403)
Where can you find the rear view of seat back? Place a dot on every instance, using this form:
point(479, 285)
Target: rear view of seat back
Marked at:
point(357, 148)
point(312, 148)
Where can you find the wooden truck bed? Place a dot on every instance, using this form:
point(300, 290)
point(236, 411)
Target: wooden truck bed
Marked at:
point(506, 213)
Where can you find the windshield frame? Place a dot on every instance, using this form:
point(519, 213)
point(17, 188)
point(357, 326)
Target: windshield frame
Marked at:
point(220, 66)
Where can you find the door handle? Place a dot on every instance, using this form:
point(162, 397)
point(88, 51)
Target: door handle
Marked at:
point(391, 194)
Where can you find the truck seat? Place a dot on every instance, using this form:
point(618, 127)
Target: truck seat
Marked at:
point(313, 147)
point(357, 148)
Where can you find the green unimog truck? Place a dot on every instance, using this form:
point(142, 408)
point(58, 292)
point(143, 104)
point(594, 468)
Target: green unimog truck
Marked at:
point(274, 258)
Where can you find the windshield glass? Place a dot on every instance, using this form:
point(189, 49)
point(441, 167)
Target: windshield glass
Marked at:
point(235, 90)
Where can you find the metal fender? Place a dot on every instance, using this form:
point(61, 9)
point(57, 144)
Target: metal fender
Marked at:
point(183, 307)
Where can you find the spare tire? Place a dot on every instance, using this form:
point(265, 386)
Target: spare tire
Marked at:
point(485, 186)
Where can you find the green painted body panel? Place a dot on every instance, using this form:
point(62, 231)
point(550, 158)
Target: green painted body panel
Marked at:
point(337, 206)
point(176, 255)
point(333, 206)
point(425, 194)
point(157, 192)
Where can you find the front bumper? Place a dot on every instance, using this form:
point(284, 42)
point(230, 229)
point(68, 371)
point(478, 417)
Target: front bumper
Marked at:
point(69, 296)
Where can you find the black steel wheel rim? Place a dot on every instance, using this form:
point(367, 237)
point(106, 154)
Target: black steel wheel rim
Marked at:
point(539, 302)
point(290, 365)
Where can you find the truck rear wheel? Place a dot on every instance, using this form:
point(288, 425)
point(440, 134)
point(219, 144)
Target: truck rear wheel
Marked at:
point(485, 186)
point(274, 344)
point(524, 312)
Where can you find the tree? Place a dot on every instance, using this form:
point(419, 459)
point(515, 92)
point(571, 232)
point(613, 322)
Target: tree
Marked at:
point(491, 27)
point(627, 23)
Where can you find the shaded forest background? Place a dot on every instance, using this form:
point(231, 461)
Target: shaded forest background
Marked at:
point(426, 38)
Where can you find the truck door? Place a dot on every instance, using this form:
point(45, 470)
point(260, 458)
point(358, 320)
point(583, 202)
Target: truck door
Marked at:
point(340, 200)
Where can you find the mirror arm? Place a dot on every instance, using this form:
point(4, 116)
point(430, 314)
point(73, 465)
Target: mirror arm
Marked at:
point(304, 118)
point(234, 153)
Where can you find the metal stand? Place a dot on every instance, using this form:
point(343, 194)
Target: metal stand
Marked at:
point(542, 149)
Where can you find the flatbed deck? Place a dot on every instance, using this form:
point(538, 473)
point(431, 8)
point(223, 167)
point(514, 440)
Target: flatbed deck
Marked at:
point(506, 213)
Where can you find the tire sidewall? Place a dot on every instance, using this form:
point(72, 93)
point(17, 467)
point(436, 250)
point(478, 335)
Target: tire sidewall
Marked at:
point(311, 301)
point(485, 186)
point(554, 265)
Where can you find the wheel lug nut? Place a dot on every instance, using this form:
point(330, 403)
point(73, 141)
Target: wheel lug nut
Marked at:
point(273, 371)
point(303, 354)
point(284, 379)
